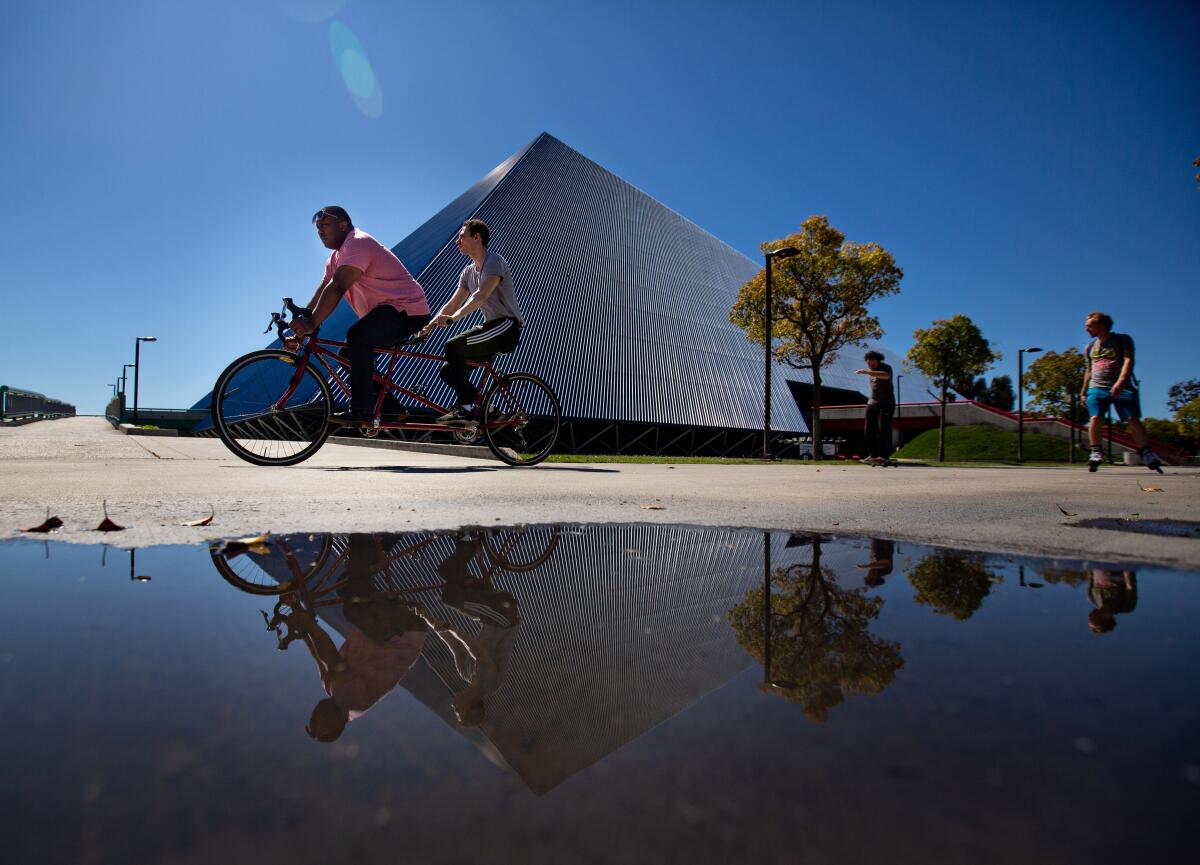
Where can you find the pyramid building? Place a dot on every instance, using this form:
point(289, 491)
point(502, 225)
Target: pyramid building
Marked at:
point(626, 306)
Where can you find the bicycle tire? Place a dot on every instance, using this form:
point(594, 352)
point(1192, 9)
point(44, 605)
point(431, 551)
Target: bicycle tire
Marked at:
point(512, 558)
point(258, 581)
point(531, 440)
point(244, 417)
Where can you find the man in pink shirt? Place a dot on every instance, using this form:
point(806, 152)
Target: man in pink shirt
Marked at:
point(390, 304)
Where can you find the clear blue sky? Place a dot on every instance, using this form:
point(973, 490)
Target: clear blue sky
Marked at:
point(1025, 162)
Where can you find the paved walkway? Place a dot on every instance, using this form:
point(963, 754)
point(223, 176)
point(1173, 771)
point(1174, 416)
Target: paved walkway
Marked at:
point(154, 484)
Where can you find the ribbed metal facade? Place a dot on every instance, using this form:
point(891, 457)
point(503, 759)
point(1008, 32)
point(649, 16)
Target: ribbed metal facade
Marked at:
point(626, 302)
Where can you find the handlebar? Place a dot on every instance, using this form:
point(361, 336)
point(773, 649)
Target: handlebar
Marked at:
point(279, 319)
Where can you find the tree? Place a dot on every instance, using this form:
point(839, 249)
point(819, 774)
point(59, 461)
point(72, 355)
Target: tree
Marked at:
point(1052, 379)
point(953, 583)
point(1187, 418)
point(953, 348)
point(821, 646)
point(1000, 393)
point(1181, 393)
point(819, 300)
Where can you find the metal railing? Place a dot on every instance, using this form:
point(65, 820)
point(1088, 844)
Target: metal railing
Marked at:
point(20, 404)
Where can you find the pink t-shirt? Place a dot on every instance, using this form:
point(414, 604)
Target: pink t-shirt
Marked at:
point(384, 278)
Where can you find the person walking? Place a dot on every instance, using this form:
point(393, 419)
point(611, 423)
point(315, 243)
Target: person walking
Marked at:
point(1108, 381)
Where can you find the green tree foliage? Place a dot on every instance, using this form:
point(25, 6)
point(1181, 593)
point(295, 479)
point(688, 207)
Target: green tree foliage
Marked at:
point(819, 300)
point(1000, 393)
point(1182, 393)
point(1052, 379)
point(953, 583)
point(1187, 419)
point(821, 648)
point(951, 350)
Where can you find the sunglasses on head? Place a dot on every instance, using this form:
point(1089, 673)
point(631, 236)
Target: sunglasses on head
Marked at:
point(321, 213)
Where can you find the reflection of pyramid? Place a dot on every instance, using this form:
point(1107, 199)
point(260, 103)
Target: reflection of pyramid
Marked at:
point(627, 307)
point(622, 627)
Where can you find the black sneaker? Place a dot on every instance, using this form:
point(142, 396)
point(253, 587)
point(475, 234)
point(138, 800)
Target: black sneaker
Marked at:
point(1152, 461)
point(1094, 460)
point(350, 418)
point(460, 416)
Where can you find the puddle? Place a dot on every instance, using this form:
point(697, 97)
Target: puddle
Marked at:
point(1167, 527)
point(567, 694)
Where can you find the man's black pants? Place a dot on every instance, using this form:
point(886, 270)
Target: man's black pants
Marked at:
point(879, 429)
point(383, 326)
point(478, 343)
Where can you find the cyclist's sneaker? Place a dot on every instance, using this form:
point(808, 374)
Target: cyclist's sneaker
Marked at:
point(484, 604)
point(460, 416)
point(349, 418)
point(1094, 460)
point(1152, 461)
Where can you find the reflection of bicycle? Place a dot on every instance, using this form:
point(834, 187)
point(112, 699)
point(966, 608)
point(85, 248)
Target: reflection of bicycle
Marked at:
point(272, 407)
point(309, 568)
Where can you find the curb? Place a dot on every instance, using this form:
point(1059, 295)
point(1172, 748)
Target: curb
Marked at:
point(478, 452)
point(131, 430)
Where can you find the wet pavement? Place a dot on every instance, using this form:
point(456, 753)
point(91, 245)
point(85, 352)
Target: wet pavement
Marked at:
point(593, 693)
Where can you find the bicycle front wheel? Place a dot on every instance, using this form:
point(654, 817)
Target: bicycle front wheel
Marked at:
point(268, 412)
point(521, 419)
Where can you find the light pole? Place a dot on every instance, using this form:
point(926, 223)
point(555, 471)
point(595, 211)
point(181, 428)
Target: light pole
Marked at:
point(1021, 352)
point(898, 377)
point(782, 252)
point(124, 371)
point(137, 359)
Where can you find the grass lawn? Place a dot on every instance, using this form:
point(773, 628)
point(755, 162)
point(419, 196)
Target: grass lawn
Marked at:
point(988, 444)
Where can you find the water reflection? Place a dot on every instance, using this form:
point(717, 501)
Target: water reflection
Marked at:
point(954, 583)
point(813, 636)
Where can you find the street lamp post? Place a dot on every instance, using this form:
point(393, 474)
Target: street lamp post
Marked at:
point(124, 372)
point(1021, 352)
point(783, 252)
point(137, 359)
point(898, 377)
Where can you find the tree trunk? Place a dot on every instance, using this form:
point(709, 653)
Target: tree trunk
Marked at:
point(942, 426)
point(816, 413)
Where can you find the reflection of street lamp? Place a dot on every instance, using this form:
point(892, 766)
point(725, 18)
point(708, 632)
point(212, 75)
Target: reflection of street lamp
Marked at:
point(133, 574)
point(1021, 352)
point(782, 252)
point(137, 358)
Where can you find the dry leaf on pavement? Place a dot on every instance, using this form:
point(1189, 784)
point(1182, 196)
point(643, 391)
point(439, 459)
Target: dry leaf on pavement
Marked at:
point(202, 522)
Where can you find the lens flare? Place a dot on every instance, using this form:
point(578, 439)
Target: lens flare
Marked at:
point(355, 69)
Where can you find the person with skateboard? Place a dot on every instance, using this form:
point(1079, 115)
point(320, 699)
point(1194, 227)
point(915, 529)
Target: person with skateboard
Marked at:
point(880, 407)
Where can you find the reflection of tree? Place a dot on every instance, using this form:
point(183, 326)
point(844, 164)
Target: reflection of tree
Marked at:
point(953, 583)
point(820, 647)
point(1070, 577)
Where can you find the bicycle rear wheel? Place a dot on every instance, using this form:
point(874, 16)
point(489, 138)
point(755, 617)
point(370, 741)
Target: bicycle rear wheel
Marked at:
point(253, 422)
point(521, 419)
point(521, 549)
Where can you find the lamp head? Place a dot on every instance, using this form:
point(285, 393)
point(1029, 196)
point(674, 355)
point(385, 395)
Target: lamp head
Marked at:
point(1030, 350)
point(783, 252)
point(147, 339)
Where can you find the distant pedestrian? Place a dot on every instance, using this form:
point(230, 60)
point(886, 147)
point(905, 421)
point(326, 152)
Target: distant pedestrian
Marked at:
point(1108, 381)
point(880, 407)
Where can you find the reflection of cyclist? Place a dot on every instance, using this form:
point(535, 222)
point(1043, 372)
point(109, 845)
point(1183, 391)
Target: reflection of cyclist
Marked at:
point(390, 304)
point(1111, 592)
point(496, 611)
point(882, 554)
point(386, 639)
point(484, 284)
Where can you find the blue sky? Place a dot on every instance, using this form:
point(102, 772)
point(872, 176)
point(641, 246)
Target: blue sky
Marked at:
point(1025, 162)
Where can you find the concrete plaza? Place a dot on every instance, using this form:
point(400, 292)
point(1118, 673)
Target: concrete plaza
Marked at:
point(152, 485)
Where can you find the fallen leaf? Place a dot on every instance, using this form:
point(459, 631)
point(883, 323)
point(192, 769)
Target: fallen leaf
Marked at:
point(202, 522)
point(49, 525)
point(1150, 489)
point(1065, 512)
point(107, 525)
point(653, 508)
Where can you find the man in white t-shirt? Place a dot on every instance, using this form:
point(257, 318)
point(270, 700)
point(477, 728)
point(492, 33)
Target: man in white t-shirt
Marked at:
point(484, 284)
point(390, 304)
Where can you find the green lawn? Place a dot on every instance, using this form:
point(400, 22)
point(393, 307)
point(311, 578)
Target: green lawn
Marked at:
point(987, 444)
